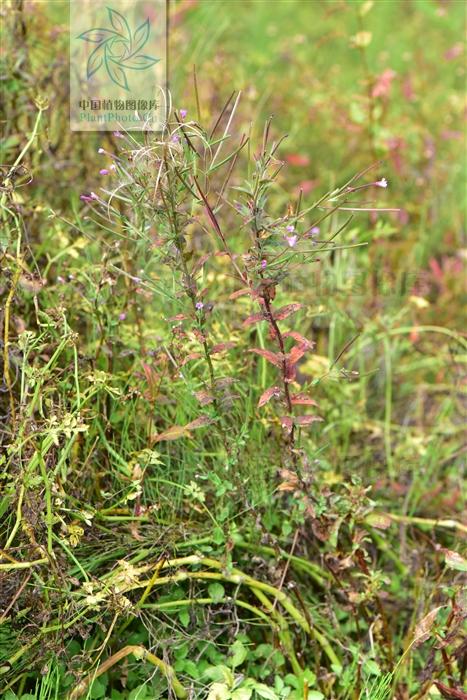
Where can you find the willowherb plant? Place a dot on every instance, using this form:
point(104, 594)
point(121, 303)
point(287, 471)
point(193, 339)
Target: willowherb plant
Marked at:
point(184, 198)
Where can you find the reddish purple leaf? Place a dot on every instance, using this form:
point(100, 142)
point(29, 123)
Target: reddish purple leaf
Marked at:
point(308, 344)
point(272, 357)
point(202, 261)
point(287, 423)
point(240, 293)
point(220, 347)
point(306, 420)
point(150, 373)
point(450, 693)
point(302, 399)
point(192, 356)
point(254, 318)
point(198, 423)
point(224, 382)
point(295, 354)
point(268, 394)
point(290, 371)
point(204, 397)
point(286, 311)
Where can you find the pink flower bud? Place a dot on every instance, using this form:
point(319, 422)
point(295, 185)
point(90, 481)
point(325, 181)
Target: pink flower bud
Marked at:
point(382, 183)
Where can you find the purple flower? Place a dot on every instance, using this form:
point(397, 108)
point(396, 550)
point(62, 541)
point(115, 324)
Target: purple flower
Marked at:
point(263, 264)
point(199, 305)
point(88, 197)
point(101, 150)
point(103, 171)
point(183, 113)
point(314, 230)
point(291, 240)
point(382, 183)
point(113, 166)
point(175, 138)
point(290, 228)
point(122, 316)
point(118, 135)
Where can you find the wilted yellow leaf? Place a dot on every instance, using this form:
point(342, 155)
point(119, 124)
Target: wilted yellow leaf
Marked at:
point(455, 561)
point(419, 302)
point(423, 628)
point(379, 520)
point(173, 433)
point(365, 8)
point(361, 40)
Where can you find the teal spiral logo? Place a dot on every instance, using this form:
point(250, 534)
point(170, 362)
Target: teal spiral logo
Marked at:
point(118, 49)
